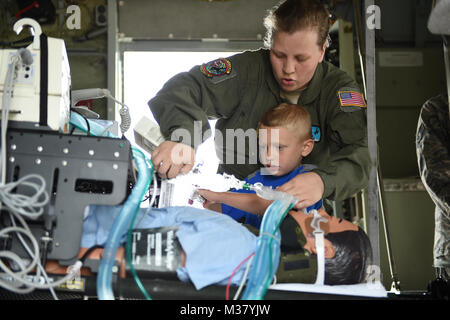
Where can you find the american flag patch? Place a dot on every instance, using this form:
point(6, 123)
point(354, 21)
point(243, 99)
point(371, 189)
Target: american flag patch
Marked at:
point(351, 98)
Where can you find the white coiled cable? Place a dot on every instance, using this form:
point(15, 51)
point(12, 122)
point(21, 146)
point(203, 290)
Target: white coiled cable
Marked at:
point(125, 117)
point(124, 112)
point(95, 93)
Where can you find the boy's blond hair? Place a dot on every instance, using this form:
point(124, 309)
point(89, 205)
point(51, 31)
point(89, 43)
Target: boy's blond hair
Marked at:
point(290, 116)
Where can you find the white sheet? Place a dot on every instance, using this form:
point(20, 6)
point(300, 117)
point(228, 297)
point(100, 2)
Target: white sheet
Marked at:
point(375, 289)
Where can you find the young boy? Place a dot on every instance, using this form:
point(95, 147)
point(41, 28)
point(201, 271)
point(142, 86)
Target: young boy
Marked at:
point(285, 138)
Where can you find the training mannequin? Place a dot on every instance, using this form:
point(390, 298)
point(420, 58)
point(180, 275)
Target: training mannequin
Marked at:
point(215, 244)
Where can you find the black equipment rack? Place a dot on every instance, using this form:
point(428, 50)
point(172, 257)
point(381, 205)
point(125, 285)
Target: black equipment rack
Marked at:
point(79, 171)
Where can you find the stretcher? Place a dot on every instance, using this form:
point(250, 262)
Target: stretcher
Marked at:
point(170, 288)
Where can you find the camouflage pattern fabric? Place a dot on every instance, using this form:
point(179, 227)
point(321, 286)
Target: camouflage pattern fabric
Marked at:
point(433, 154)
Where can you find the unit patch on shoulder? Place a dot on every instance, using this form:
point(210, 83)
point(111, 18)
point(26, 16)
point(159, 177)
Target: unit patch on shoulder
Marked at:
point(217, 70)
point(350, 99)
point(216, 67)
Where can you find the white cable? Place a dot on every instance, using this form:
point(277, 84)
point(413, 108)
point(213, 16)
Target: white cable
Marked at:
point(17, 203)
point(21, 276)
point(35, 257)
point(6, 101)
point(155, 189)
point(28, 206)
point(41, 269)
point(8, 285)
point(125, 117)
point(78, 95)
point(18, 276)
point(7, 254)
point(72, 274)
point(124, 113)
point(244, 278)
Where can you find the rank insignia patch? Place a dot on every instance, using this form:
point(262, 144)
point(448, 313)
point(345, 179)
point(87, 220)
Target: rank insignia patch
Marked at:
point(216, 67)
point(350, 98)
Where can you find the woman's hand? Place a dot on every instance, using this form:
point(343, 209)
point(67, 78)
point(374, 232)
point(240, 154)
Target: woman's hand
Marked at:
point(307, 187)
point(172, 158)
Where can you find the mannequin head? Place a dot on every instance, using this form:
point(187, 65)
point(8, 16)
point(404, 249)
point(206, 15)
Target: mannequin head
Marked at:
point(348, 252)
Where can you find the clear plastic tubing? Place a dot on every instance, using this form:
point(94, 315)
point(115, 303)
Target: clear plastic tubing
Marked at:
point(120, 226)
point(267, 255)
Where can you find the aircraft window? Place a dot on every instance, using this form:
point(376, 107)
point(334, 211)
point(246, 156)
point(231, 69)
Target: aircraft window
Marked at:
point(144, 75)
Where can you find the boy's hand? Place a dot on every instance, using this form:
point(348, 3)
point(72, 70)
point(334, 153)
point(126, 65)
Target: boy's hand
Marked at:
point(306, 187)
point(212, 199)
point(210, 196)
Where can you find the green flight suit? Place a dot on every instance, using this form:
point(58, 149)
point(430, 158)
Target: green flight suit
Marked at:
point(238, 100)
